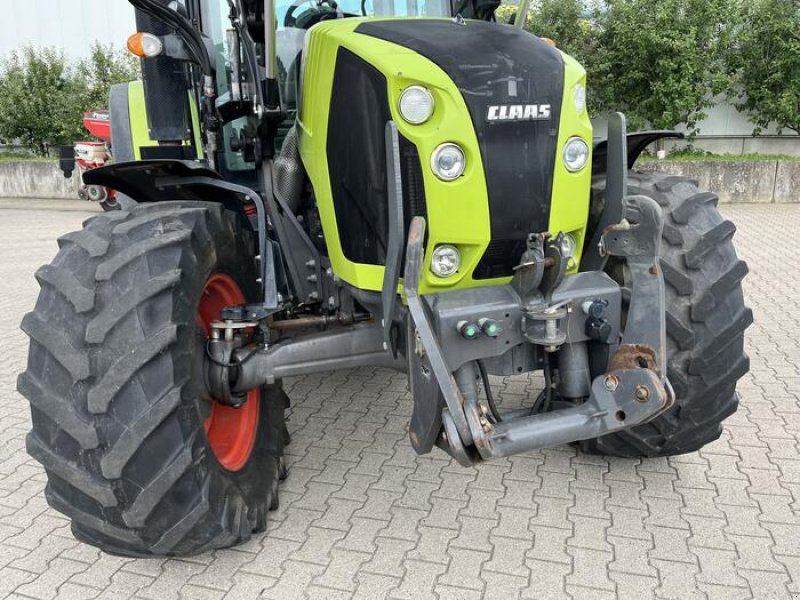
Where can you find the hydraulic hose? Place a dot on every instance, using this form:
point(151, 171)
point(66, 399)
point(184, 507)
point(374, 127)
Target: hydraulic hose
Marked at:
point(489, 396)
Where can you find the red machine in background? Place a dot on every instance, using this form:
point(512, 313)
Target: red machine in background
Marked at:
point(90, 155)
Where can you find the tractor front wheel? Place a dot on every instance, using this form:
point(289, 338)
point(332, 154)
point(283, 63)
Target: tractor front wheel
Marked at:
point(136, 454)
point(706, 319)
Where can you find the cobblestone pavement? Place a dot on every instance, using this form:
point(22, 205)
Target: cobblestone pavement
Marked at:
point(362, 516)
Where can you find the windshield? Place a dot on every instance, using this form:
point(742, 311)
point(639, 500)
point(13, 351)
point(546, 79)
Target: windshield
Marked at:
point(296, 17)
point(379, 8)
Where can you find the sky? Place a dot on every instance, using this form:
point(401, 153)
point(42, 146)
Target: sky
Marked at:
point(68, 24)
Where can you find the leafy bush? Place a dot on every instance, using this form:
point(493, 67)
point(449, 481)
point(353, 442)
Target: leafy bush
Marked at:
point(569, 23)
point(764, 63)
point(43, 97)
point(662, 62)
point(105, 66)
point(38, 98)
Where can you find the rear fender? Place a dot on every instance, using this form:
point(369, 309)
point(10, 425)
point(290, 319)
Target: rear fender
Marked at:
point(169, 180)
point(166, 179)
point(636, 142)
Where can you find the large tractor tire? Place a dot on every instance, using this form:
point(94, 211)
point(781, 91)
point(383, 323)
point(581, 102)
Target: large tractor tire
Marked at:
point(706, 320)
point(136, 454)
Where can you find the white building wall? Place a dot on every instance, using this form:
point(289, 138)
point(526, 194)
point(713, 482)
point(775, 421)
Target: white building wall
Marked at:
point(727, 131)
point(72, 25)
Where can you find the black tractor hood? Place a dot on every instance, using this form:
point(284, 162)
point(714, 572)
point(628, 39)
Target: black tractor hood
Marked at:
point(512, 83)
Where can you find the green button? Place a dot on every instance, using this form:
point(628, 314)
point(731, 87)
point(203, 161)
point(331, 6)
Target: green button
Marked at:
point(469, 330)
point(491, 327)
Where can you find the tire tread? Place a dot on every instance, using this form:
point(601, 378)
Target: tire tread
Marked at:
point(706, 353)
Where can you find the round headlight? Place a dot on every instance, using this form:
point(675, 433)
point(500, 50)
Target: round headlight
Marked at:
point(569, 245)
point(576, 154)
point(445, 260)
point(416, 104)
point(448, 162)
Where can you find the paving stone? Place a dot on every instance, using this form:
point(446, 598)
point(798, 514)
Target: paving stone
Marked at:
point(547, 576)
point(717, 567)
point(433, 544)
point(508, 557)
point(464, 569)
point(502, 587)
point(765, 584)
point(590, 569)
point(631, 557)
point(419, 580)
point(46, 585)
point(340, 573)
point(388, 558)
point(678, 580)
point(634, 586)
point(446, 592)
point(371, 586)
point(296, 578)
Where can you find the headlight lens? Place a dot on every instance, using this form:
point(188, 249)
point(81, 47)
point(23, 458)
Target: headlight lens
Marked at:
point(416, 104)
point(448, 162)
point(576, 154)
point(569, 245)
point(579, 95)
point(445, 260)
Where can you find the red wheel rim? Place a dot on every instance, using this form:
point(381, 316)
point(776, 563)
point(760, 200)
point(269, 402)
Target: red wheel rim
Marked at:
point(231, 432)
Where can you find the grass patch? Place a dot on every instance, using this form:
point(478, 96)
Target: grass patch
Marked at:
point(700, 155)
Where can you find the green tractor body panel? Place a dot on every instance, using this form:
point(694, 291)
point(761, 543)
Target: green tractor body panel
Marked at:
point(352, 82)
point(139, 125)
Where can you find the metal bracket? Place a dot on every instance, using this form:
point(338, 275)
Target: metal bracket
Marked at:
point(616, 190)
point(394, 247)
point(530, 270)
point(264, 248)
point(635, 391)
point(447, 384)
point(619, 400)
point(637, 238)
point(303, 260)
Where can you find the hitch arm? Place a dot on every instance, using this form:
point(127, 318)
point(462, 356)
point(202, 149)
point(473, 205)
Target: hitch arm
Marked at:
point(424, 331)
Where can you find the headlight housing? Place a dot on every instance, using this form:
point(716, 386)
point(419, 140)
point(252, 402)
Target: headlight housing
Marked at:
point(569, 245)
point(576, 154)
point(448, 162)
point(416, 104)
point(445, 260)
point(579, 96)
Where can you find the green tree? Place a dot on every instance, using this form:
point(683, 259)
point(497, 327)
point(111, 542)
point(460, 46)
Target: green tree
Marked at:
point(105, 66)
point(39, 96)
point(570, 24)
point(764, 63)
point(662, 62)
point(43, 97)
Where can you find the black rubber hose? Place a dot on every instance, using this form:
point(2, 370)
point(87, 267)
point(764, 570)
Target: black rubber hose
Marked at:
point(548, 382)
point(489, 397)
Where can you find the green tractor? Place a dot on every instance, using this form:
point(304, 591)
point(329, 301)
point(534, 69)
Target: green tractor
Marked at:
point(313, 185)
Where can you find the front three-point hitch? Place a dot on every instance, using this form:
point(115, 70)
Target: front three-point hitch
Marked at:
point(601, 345)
